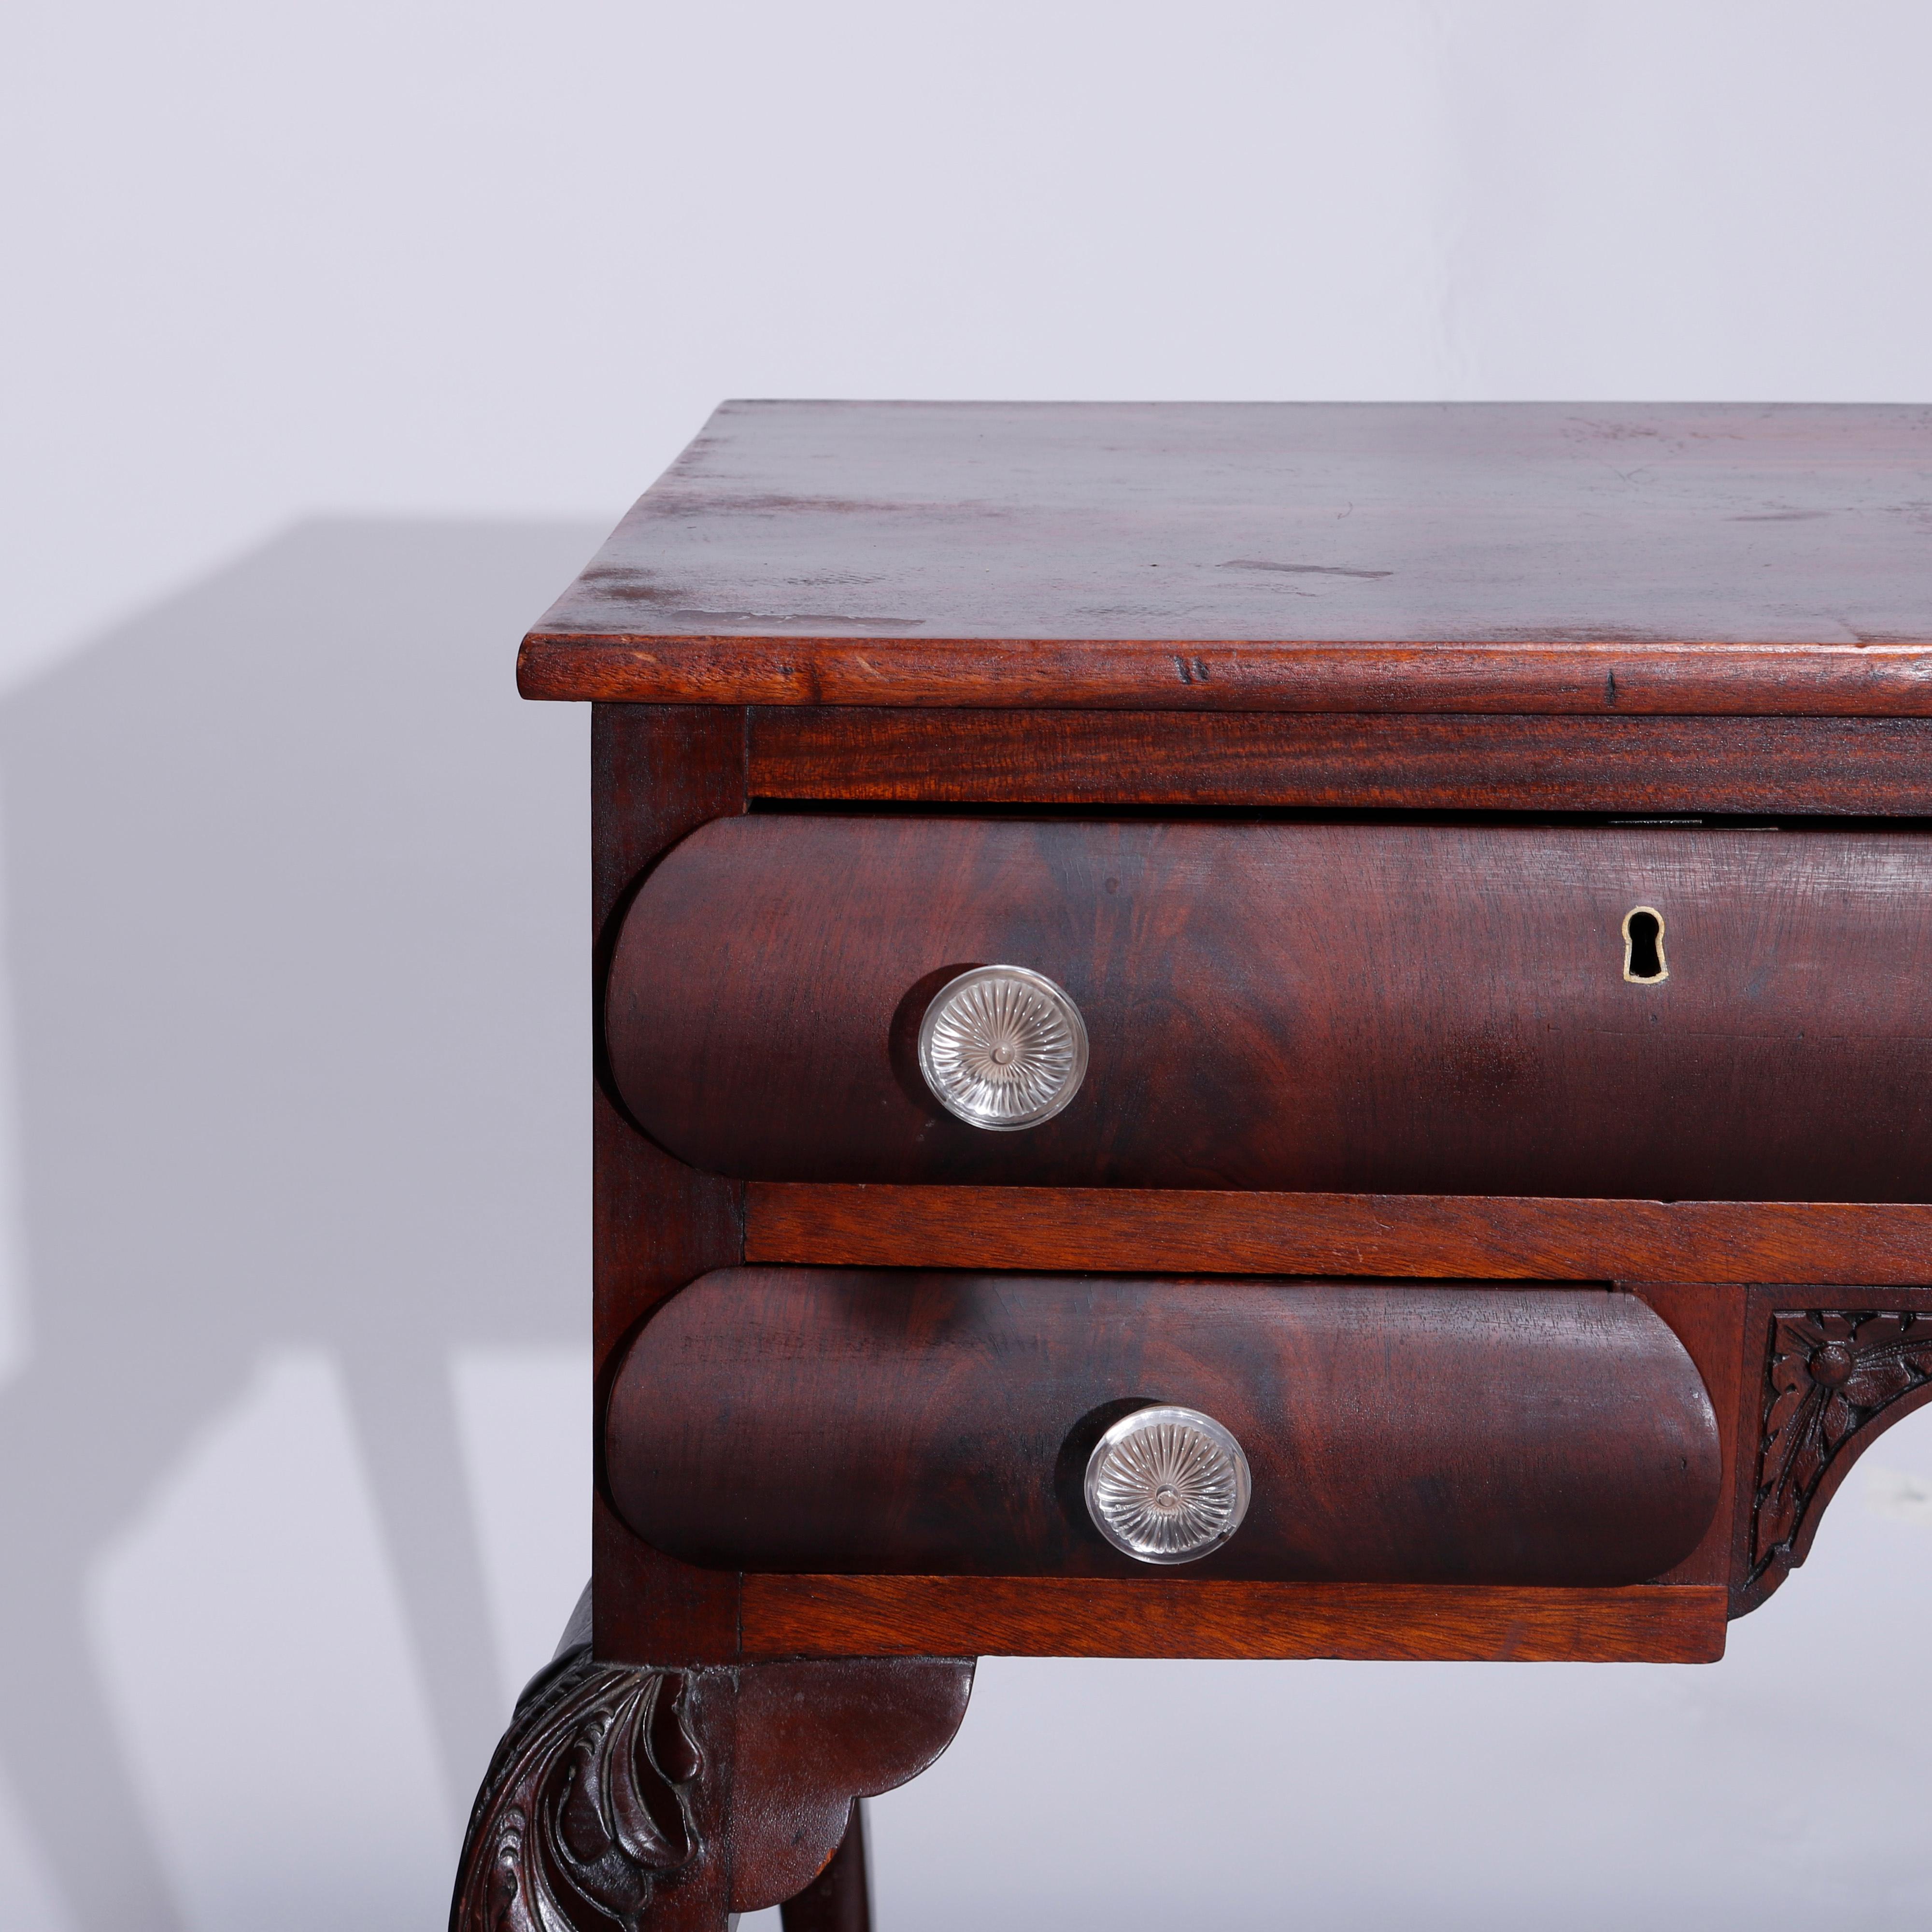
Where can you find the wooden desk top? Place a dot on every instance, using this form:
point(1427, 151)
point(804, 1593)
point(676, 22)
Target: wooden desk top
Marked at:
point(1500, 557)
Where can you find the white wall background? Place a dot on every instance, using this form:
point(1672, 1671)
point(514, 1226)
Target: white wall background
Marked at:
point(333, 337)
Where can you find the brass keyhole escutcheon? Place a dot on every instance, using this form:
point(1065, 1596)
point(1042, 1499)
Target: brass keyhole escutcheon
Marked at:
point(1644, 964)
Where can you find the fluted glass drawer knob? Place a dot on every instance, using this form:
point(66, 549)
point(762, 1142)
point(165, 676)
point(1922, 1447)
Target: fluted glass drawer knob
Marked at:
point(1167, 1485)
point(1003, 1048)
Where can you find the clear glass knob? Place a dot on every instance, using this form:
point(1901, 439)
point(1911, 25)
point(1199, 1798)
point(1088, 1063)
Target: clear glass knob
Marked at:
point(1167, 1485)
point(1003, 1048)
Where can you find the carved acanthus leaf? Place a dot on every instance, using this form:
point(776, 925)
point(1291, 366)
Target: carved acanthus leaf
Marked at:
point(1832, 1374)
point(586, 1806)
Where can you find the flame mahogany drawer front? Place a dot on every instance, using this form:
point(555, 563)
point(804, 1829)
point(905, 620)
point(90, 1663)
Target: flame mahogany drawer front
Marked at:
point(828, 1420)
point(1349, 1007)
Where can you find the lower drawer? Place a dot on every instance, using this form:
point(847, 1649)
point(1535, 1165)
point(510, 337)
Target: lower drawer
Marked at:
point(877, 1421)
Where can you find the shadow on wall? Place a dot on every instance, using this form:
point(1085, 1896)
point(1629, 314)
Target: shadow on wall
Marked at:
point(296, 891)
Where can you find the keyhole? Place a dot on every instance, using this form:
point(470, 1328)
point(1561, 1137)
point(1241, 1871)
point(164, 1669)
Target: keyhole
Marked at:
point(1643, 945)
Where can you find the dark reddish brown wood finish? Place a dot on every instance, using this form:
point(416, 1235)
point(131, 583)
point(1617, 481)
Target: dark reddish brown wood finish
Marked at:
point(638, 1796)
point(840, 1898)
point(1160, 1616)
point(1867, 767)
point(1406, 1009)
point(1506, 557)
point(656, 774)
point(1708, 1319)
point(1401, 609)
point(1828, 1371)
point(1553, 676)
point(874, 1421)
point(810, 1739)
point(1480, 1237)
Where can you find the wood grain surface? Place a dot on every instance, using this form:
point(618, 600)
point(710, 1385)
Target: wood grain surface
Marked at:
point(1353, 760)
point(1154, 1616)
point(1709, 1318)
point(1480, 1237)
point(840, 1898)
point(869, 1420)
point(1739, 559)
point(656, 1222)
point(810, 1739)
point(1413, 1008)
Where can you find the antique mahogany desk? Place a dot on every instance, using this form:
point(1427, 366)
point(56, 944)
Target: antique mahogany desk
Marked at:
point(1226, 1031)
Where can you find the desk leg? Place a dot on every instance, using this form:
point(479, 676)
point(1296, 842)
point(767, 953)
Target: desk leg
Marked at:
point(667, 1800)
point(840, 1898)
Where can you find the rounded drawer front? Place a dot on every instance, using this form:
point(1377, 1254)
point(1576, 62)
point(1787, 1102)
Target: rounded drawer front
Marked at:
point(877, 1421)
point(1666, 1013)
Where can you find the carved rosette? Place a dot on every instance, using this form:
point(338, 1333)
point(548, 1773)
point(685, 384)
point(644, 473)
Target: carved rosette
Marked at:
point(586, 1806)
point(1832, 1375)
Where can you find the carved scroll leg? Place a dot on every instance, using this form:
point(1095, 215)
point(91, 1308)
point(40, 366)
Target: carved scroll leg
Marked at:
point(637, 1796)
point(589, 1807)
point(840, 1898)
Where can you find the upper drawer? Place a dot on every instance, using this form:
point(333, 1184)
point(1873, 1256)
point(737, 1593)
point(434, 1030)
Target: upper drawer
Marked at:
point(1419, 1009)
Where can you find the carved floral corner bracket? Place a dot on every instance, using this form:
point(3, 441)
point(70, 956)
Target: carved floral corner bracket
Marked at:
point(586, 1806)
point(1833, 1374)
